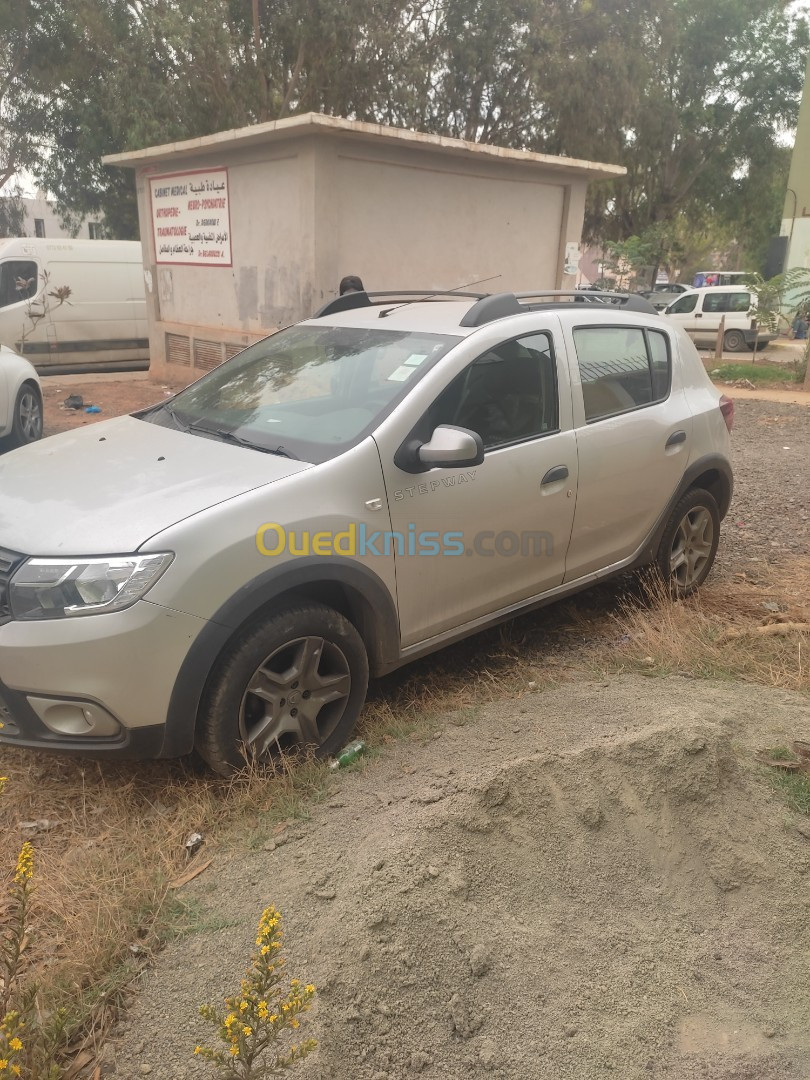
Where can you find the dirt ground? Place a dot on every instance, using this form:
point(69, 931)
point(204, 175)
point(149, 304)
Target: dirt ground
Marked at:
point(590, 882)
point(113, 394)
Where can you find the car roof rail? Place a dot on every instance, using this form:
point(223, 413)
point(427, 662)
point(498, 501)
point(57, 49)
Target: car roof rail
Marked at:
point(501, 305)
point(350, 301)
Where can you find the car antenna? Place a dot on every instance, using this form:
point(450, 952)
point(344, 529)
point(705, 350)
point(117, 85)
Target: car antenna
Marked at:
point(421, 299)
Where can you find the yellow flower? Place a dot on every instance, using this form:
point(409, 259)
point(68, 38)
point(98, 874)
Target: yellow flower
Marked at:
point(234, 1051)
point(242, 1006)
point(247, 1031)
point(15, 1043)
point(25, 863)
point(15, 1068)
point(265, 950)
point(262, 1010)
point(229, 1020)
point(3, 780)
point(3, 1064)
point(294, 1023)
point(197, 1049)
point(309, 988)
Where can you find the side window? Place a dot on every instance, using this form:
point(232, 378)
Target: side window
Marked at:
point(720, 301)
point(19, 280)
point(621, 368)
point(684, 305)
point(507, 395)
point(740, 301)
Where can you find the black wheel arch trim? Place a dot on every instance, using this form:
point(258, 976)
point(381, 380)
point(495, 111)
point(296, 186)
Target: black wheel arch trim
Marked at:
point(347, 585)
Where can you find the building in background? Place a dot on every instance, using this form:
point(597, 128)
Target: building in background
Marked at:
point(245, 231)
point(792, 247)
point(41, 219)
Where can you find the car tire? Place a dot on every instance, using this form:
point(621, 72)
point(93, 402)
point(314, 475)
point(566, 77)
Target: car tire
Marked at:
point(689, 542)
point(26, 424)
point(734, 341)
point(295, 678)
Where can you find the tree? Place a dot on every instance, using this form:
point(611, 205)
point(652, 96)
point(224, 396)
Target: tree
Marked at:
point(690, 96)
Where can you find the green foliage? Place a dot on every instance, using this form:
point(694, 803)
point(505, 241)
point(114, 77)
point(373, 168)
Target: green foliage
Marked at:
point(690, 96)
point(255, 1021)
point(28, 1043)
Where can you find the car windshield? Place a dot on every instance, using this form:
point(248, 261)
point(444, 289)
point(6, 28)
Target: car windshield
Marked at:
point(309, 392)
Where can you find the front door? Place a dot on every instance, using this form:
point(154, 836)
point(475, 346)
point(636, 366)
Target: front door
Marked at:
point(687, 313)
point(475, 540)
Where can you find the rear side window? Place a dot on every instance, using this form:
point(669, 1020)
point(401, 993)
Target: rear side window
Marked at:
point(19, 280)
point(684, 305)
point(726, 301)
point(621, 368)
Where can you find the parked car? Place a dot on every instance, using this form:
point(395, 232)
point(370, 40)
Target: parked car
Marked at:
point(20, 401)
point(662, 295)
point(224, 570)
point(104, 323)
point(700, 311)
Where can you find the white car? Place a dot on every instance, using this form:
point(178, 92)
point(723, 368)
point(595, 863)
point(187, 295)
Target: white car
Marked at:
point(20, 401)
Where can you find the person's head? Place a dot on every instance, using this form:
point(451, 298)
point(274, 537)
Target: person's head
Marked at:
point(351, 284)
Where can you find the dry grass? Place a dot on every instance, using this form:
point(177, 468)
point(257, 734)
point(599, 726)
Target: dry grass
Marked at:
point(116, 833)
point(746, 630)
point(110, 841)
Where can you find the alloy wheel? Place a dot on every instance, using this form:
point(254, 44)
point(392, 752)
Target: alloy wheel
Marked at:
point(296, 696)
point(29, 416)
point(691, 547)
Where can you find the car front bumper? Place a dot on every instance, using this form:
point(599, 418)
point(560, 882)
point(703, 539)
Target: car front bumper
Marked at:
point(97, 685)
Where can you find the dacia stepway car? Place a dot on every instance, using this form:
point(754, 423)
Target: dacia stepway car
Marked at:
point(224, 571)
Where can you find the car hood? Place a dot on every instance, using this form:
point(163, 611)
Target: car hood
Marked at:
point(108, 488)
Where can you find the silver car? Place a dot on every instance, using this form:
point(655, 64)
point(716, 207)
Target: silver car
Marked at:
point(20, 401)
point(347, 495)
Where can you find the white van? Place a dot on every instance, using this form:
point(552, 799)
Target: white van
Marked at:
point(699, 312)
point(104, 322)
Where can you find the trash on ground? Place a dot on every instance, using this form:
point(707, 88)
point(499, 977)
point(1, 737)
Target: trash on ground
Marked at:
point(194, 843)
point(92, 409)
point(74, 401)
point(348, 754)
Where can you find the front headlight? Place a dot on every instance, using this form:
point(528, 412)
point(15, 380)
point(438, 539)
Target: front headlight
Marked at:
point(56, 588)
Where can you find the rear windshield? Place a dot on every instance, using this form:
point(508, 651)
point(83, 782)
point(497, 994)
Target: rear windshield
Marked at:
point(310, 391)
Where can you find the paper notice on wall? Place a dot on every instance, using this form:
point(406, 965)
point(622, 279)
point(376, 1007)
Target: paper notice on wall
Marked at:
point(191, 220)
point(572, 257)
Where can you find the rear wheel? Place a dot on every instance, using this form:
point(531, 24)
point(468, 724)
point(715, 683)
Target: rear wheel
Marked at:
point(26, 424)
point(689, 543)
point(295, 679)
point(734, 341)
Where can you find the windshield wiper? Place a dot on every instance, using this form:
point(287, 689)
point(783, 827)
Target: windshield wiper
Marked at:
point(238, 440)
point(167, 405)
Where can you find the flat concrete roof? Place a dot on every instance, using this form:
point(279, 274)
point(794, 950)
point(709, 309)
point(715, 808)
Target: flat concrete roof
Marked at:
point(277, 131)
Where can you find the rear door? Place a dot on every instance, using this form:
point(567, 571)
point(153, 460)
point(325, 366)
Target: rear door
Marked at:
point(634, 431)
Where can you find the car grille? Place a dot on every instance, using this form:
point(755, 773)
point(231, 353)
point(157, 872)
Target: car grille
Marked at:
point(9, 561)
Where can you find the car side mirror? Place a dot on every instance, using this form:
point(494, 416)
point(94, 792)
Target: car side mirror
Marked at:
point(451, 448)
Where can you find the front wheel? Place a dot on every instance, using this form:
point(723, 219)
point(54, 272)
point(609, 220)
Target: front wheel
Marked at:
point(689, 543)
point(26, 426)
point(296, 678)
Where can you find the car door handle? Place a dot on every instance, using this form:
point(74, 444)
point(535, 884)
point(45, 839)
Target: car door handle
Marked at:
point(698, 314)
point(553, 476)
point(675, 438)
